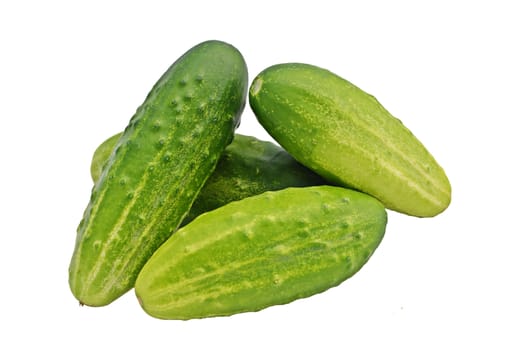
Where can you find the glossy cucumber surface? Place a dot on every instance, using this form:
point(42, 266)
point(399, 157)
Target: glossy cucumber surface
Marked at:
point(157, 168)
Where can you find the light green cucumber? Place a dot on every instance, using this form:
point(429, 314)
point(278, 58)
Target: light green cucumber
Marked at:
point(101, 156)
point(157, 168)
point(261, 251)
point(247, 167)
point(348, 137)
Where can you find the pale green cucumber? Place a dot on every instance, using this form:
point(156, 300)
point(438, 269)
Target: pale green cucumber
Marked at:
point(101, 156)
point(348, 137)
point(247, 167)
point(159, 164)
point(261, 251)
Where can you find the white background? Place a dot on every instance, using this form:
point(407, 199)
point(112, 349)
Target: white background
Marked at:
point(73, 73)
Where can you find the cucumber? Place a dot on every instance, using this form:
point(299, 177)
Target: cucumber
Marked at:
point(101, 156)
point(247, 167)
point(261, 251)
point(158, 166)
point(345, 135)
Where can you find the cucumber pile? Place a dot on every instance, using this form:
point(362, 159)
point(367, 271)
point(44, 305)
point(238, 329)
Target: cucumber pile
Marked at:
point(202, 221)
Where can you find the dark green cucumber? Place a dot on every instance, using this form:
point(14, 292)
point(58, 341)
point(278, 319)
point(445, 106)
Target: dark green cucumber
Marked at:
point(159, 164)
point(346, 136)
point(264, 250)
point(247, 167)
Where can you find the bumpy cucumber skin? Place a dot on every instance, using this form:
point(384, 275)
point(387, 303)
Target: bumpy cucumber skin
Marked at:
point(346, 136)
point(265, 250)
point(166, 153)
point(247, 167)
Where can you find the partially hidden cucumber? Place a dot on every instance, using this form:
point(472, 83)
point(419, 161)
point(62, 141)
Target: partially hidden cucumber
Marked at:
point(157, 168)
point(261, 251)
point(348, 137)
point(101, 156)
point(247, 167)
